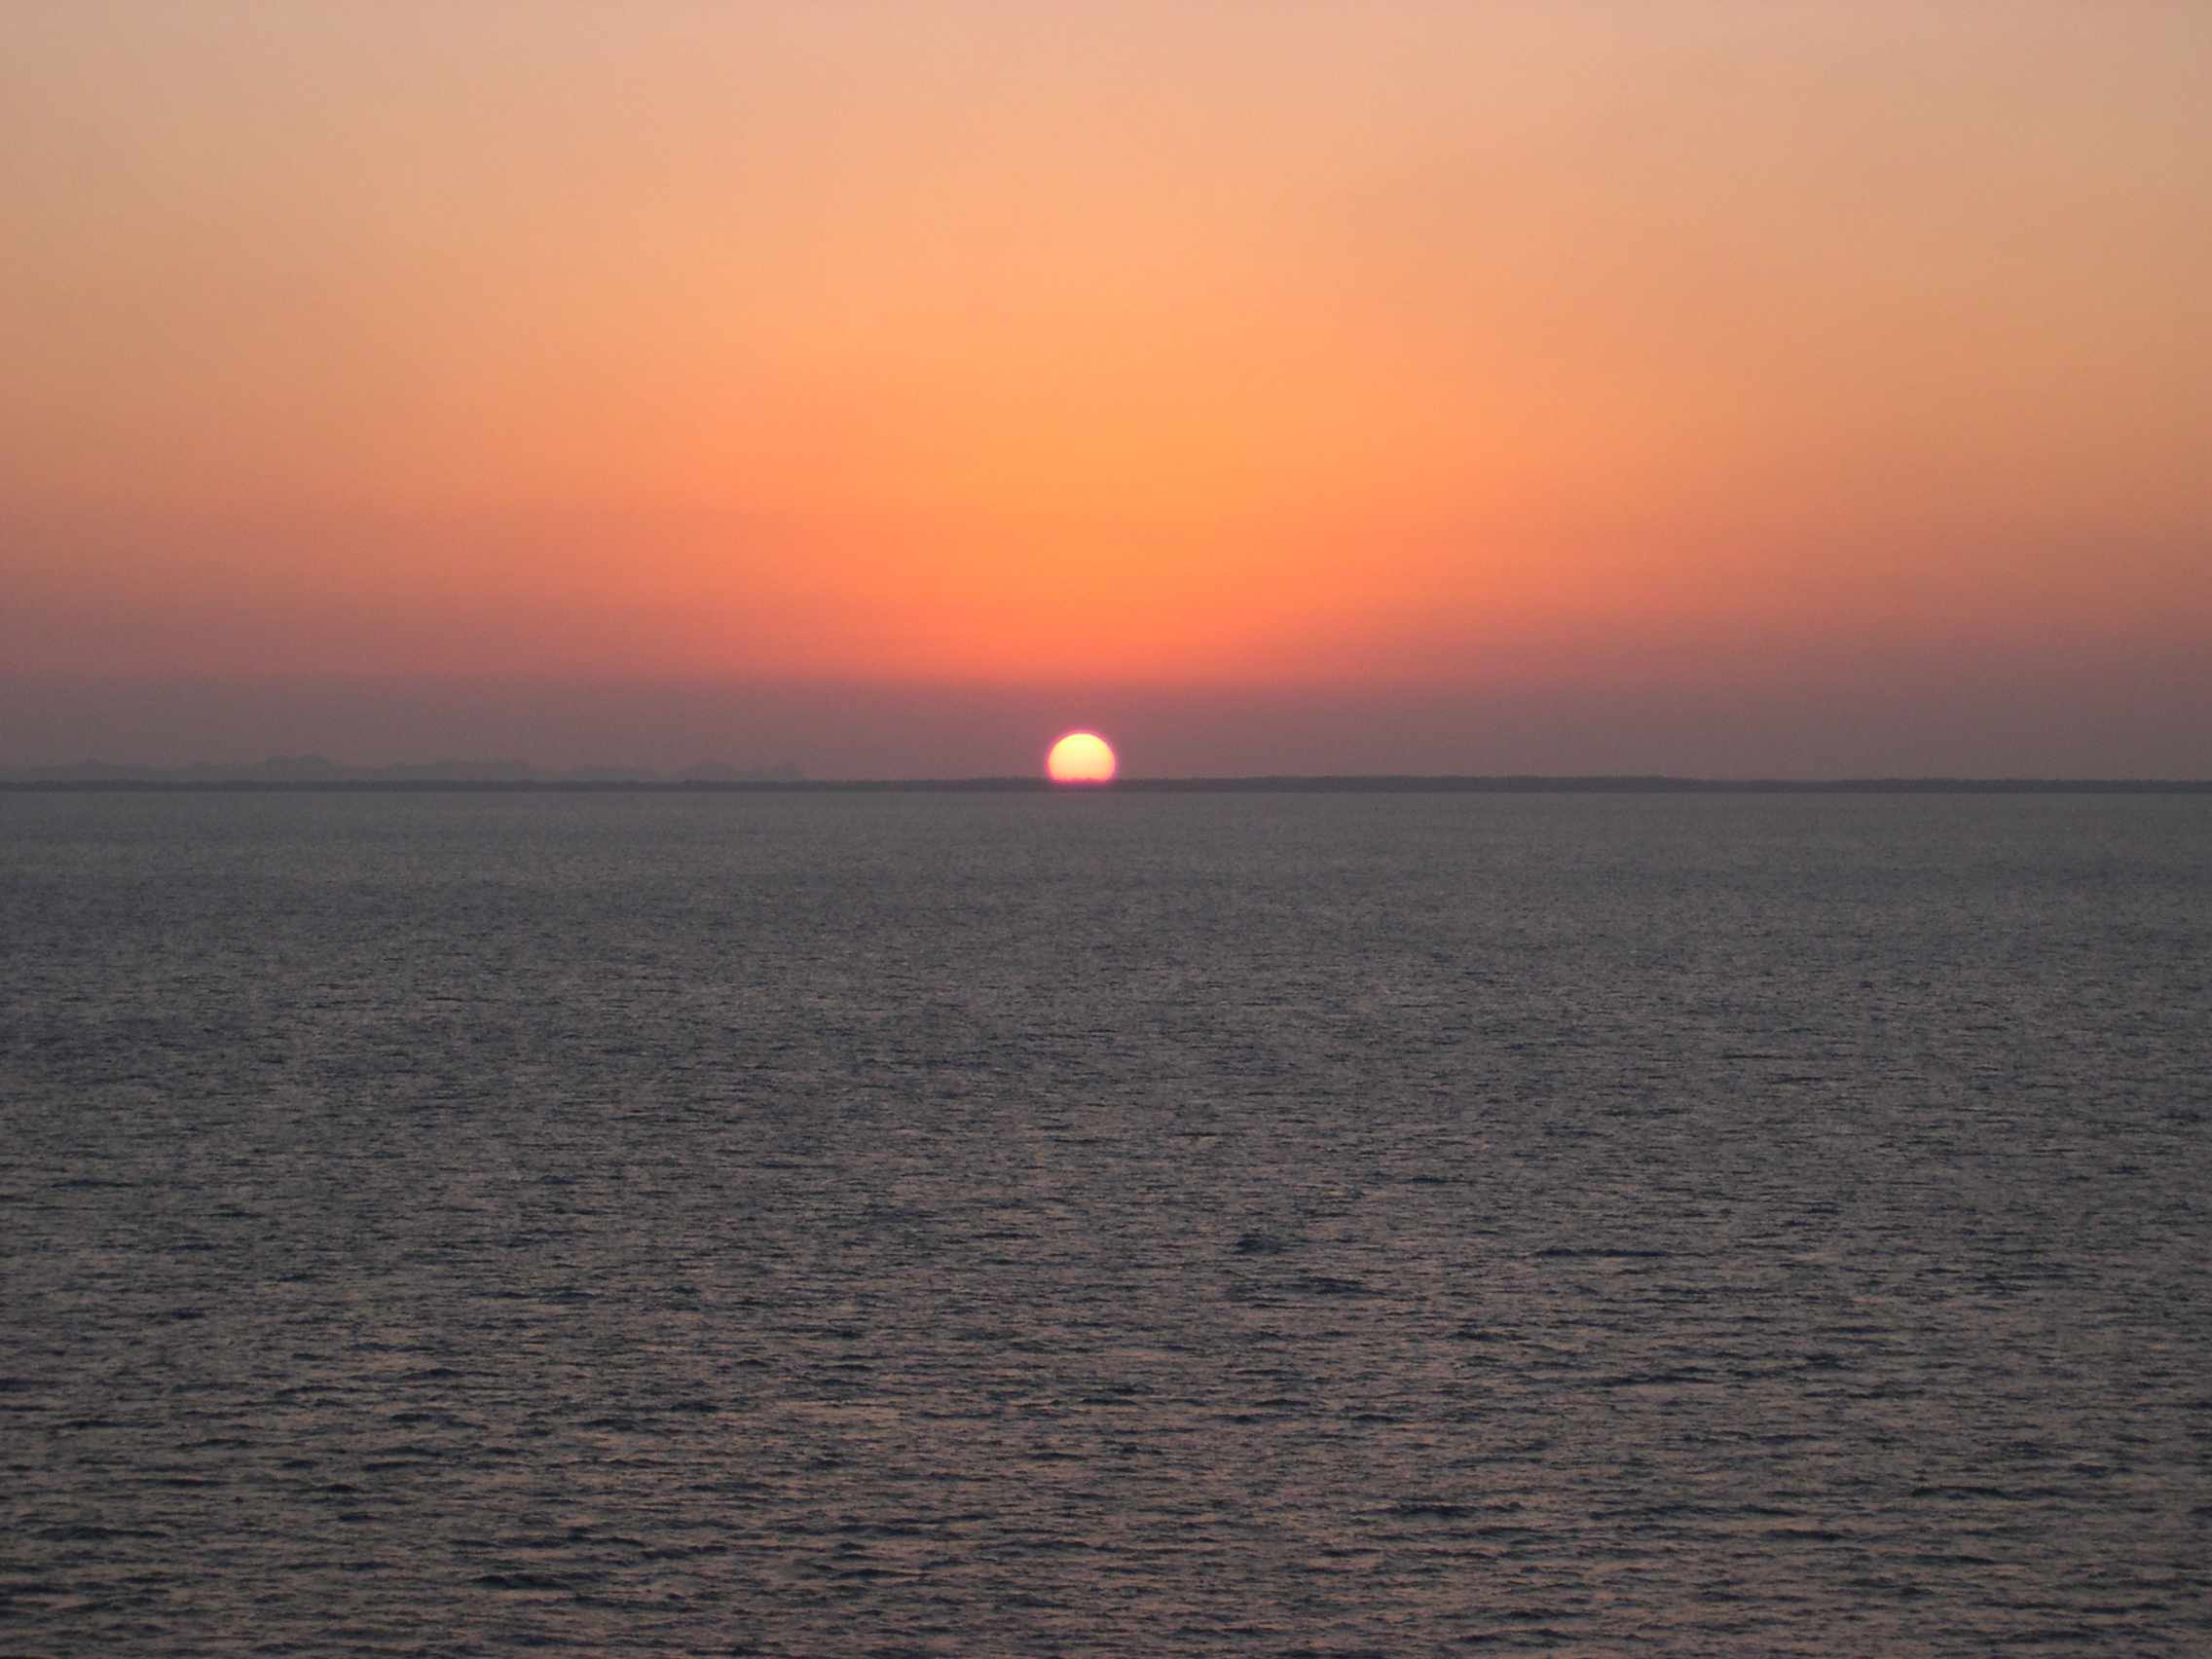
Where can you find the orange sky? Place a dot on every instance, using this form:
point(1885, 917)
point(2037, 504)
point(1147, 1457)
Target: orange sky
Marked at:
point(1195, 344)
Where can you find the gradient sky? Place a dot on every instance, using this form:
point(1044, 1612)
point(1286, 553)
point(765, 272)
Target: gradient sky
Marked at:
point(1558, 386)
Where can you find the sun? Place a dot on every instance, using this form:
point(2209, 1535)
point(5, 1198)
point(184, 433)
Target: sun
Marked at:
point(1080, 758)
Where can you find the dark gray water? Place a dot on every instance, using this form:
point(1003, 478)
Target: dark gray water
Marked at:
point(1123, 1225)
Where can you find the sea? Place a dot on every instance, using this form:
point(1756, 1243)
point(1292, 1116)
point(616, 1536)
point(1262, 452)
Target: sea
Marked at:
point(1105, 1224)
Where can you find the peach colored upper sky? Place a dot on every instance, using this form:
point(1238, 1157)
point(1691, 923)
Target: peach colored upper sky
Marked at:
point(1129, 343)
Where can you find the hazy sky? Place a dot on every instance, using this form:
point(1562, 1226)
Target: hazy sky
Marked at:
point(1476, 387)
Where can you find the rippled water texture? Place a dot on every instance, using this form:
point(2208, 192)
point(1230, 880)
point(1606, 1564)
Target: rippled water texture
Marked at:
point(1128, 1224)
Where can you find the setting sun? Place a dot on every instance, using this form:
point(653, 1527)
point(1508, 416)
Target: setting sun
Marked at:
point(1080, 758)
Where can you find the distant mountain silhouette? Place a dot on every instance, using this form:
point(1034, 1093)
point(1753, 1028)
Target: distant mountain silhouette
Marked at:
point(714, 772)
point(310, 772)
point(314, 769)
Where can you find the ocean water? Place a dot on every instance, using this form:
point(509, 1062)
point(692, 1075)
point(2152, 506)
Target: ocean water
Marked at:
point(1105, 1225)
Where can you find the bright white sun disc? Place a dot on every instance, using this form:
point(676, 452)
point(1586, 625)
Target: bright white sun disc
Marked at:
point(1080, 758)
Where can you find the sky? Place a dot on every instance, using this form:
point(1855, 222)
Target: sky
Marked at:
point(1758, 388)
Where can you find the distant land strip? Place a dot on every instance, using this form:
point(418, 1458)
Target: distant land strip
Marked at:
point(1414, 784)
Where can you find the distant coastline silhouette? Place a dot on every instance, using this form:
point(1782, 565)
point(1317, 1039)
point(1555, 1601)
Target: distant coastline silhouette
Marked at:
point(313, 770)
point(314, 773)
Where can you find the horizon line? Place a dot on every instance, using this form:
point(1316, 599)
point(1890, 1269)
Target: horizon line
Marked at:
point(1267, 783)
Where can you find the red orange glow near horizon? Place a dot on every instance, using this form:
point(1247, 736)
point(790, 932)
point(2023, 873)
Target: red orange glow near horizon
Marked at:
point(1578, 357)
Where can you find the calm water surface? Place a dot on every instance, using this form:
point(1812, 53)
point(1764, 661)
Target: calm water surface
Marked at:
point(1116, 1225)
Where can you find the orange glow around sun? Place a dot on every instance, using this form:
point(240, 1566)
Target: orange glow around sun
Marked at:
point(1080, 758)
point(990, 344)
